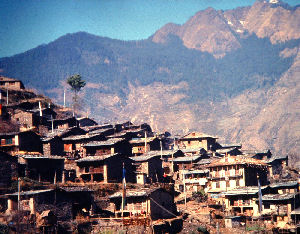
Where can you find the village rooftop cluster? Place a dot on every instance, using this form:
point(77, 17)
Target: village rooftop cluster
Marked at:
point(51, 167)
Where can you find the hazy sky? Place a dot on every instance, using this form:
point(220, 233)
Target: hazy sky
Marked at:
point(25, 24)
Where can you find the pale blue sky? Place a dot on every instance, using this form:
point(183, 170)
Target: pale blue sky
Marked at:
point(25, 24)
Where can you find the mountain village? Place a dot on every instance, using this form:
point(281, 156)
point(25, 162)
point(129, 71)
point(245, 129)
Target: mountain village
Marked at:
point(67, 174)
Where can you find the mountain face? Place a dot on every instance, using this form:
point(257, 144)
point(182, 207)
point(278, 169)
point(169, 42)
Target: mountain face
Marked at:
point(218, 32)
point(231, 73)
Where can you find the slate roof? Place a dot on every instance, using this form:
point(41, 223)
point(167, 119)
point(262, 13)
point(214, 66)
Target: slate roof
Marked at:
point(278, 197)
point(189, 136)
point(243, 190)
point(143, 192)
point(81, 137)
point(186, 158)
point(274, 158)
point(77, 189)
point(96, 158)
point(31, 192)
point(142, 140)
point(284, 184)
point(237, 160)
point(41, 157)
point(110, 141)
point(143, 158)
point(190, 172)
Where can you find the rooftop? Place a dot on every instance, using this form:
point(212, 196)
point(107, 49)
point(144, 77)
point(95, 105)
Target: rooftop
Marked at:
point(237, 160)
point(243, 190)
point(143, 157)
point(32, 192)
point(142, 140)
point(190, 172)
point(226, 150)
point(41, 157)
point(96, 158)
point(278, 197)
point(143, 192)
point(186, 158)
point(3, 78)
point(272, 159)
point(197, 135)
point(77, 189)
point(108, 142)
point(80, 137)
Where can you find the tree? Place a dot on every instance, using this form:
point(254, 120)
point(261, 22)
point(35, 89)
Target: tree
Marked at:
point(76, 84)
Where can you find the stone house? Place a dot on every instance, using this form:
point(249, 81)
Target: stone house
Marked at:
point(110, 146)
point(196, 140)
point(234, 171)
point(20, 141)
point(156, 203)
point(194, 180)
point(53, 146)
point(185, 162)
point(229, 151)
point(243, 200)
point(284, 187)
point(53, 143)
point(143, 145)
point(11, 83)
point(8, 171)
point(64, 123)
point(25, 118)
point(280, 206)
point(278, 164)
point(65, 203)
point(148, 168)
point(42, 168)
point(86, 122)
point(73, 145)
point(105, 168)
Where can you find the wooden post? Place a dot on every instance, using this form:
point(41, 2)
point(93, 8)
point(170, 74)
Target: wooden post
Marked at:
point(161, 149)
point(55, 177)
point(52, 126)
point(40, 107)
point(145, 141)
point(64, 98)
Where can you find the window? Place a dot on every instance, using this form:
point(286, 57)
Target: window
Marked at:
point(266, 205)
point(9, 141)
point(218, 184)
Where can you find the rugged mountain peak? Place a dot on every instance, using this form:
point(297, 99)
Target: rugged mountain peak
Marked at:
point(161, 35)
point(279, 23)
point(218, 32)
point(206, 31)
